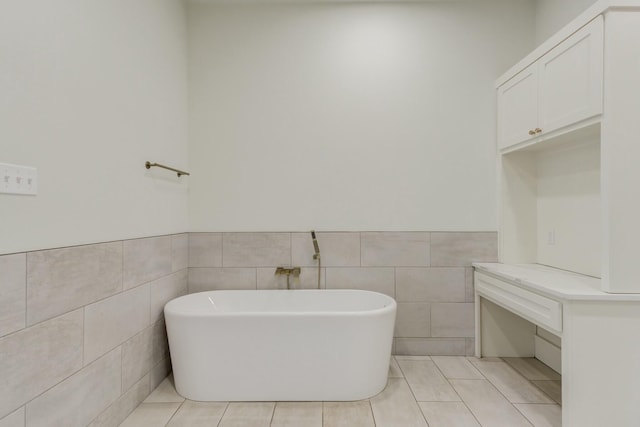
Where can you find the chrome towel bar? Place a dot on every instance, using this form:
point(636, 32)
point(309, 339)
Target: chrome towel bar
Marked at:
point(149, 165)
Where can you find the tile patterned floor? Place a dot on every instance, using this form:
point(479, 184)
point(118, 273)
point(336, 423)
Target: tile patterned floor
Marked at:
point(437, 391)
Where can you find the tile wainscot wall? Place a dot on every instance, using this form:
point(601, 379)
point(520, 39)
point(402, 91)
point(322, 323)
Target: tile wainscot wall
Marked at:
point(428, 273)
point(82, 334)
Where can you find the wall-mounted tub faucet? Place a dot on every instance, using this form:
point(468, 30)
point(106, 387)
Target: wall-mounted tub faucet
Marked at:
point(293, 271)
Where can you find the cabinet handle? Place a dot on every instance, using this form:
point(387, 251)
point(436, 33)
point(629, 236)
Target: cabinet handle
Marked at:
point(532, 132)
point(538, 130)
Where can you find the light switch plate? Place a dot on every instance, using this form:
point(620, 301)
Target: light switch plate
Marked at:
point(17, 179)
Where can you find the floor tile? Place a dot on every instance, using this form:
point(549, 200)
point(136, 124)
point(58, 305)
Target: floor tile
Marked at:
point(427, 382)
point(394, 369)
point(17, 419)
point(448, 414)
point(347, 414)
point(248, 414)
point(473, 402)
point(542, 415)
point(531, 368)
point(456, 367)
point(487, 404)
point(399, 357)
point(165, 392)
point(514, 386)
point(552, 388)
point(395, 406)
point(198, 414)
point(297, 414)
point(151, 414)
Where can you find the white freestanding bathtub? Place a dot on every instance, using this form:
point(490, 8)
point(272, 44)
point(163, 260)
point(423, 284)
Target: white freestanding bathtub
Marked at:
point(274, 345)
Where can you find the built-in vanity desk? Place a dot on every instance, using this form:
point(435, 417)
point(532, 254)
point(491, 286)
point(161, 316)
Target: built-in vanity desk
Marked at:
point(567, 287)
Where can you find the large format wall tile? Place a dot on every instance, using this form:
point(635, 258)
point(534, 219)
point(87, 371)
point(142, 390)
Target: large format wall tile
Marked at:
point(461, 249)
point(398, 249)
point(142, 352)
point(164, 290)
point(80, 398)
point(378, 279)
point(146, 260)
point(159, 372)
point(205, 249)
point(112, 321)
point(37, 358)
point(256, 249)
point(13, 288)
point(430, 284)
point(336, 249)
point(115, 414)
point(213, 279)
point(412, 320)
point(60, 280)
point(452, 320)
point(179, 251)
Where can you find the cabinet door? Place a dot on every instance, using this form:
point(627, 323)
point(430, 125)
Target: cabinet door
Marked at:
point(518, 107)
point(570, 79)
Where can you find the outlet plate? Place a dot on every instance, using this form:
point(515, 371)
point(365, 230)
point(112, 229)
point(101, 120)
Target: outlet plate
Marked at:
point(17, 179)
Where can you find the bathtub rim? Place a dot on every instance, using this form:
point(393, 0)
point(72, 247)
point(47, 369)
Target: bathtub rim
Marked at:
point(391, 306)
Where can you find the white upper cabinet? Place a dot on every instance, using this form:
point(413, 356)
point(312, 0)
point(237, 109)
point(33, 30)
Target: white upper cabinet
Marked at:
point(571, 77)
point(560, 89)
point(518, 107)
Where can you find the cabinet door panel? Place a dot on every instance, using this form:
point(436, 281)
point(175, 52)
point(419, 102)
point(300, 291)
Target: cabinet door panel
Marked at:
point(570, 79)
point(518, 107)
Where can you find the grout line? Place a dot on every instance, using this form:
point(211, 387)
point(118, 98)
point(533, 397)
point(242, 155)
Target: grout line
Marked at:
point(273, 413)
point(222, 250)
point(523, 415)
point(430, 248)
point(122, 267)
point(175, 412)
point(26, 292)
point(223, 414)
point(373, 417)
point(360, 248)
point(458, 394)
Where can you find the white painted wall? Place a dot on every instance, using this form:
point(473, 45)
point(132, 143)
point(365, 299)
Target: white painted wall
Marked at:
point(90, 90)
point(569, 206)
point(552, 15)
point(348, 116)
